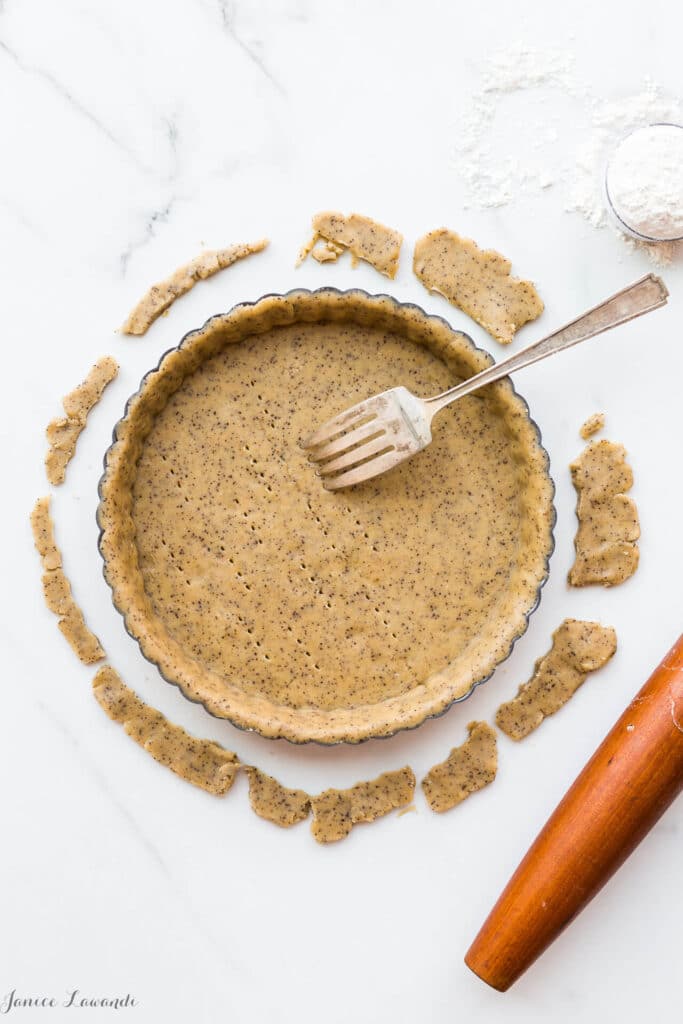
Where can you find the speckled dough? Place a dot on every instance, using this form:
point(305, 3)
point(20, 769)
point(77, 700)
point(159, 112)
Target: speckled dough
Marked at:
point(605, 542)
point(336, 811)
point(44, 535)
point(64, 431)
point(364, 238)
point(201, 762)
point(162, 295)
point(326, 252)
point(593, 425)
point(477, 281)
point(274, 802)
point(57, 589)
point(297, 611)
point(82, 640)
point(467, 769)
point(578, 649)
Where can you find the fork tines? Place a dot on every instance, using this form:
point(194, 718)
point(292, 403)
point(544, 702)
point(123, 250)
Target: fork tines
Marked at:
point(343, 446)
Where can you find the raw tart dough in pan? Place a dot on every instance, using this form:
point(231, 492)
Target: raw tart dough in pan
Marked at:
point(302, 613)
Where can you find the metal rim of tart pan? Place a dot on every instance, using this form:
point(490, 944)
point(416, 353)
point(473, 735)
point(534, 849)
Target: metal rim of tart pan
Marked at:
point(256, 713)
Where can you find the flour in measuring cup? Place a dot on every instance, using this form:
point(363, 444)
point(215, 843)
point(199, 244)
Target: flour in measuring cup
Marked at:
point(548, 81)
point(644, 181)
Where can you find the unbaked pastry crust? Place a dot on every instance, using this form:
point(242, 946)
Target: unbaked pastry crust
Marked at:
point(249, 708)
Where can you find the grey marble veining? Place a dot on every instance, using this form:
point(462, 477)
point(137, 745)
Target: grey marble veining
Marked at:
point(75, 104)
point(134, 134)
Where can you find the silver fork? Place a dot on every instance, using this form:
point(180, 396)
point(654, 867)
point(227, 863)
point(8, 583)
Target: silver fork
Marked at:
point(385, 430)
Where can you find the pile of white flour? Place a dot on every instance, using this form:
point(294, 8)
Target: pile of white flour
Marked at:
point(551, 92)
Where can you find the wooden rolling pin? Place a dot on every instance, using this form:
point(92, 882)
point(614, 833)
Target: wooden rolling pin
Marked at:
point(623, 790)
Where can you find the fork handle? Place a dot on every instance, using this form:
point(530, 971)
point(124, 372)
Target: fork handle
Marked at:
point(642, 296)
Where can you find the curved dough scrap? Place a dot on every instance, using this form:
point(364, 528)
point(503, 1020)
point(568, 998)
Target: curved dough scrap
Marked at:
point(605, 542)
point(593, 425)
point(274, 802)
point(63, 431)
point(57, 589)
point(467, 769)
point(163, 294)
point(477, 281)
point(201, 762)
point(328, 252)
point(365, 239)
point(336, 811)
point(578, 649)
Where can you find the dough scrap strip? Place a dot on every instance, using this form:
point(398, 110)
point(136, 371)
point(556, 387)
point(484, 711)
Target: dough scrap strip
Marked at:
point(275, 802)
point(578, 649)
point(202, 762)
point(477, 281)
point(336, 811)
point(467, 769)
point(63, 431)
point(364, 238)
point(57, 589)
point(593, 425)
point(605, 542)
point(163, 294)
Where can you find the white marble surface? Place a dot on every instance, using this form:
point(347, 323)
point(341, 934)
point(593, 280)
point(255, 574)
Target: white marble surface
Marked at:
point(132, 133)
